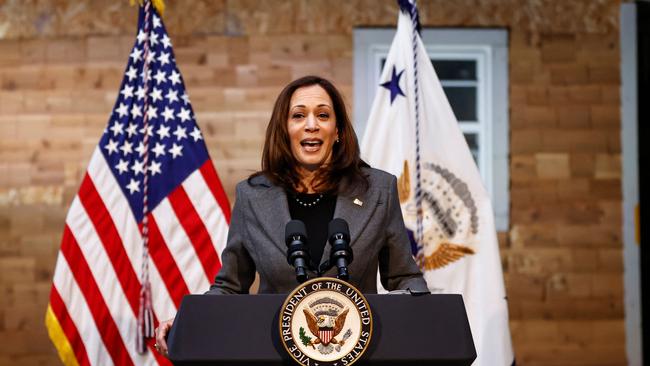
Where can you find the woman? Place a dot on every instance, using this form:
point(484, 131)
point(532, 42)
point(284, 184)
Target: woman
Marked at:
point(311, 171)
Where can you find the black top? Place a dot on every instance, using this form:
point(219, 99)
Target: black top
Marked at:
point(316, 211)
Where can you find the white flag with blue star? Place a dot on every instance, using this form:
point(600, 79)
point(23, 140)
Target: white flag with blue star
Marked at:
point(412, 133)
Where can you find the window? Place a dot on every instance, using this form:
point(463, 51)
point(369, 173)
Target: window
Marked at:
point(472, 67)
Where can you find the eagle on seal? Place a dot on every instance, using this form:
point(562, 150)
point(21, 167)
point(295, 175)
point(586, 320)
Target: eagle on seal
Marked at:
point(323, 329)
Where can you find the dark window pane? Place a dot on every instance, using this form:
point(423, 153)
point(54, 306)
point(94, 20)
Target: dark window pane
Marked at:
point(463, 101)
point(455, 69)
point(472, 141)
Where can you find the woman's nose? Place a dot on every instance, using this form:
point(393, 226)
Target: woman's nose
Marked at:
point(311, 123)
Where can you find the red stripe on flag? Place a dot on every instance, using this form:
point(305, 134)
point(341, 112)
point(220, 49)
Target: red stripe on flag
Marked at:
point(212, 179)
point(98, 308)
point(166, 264)
point(196, 231)
point(69, 328)
point(105, 227)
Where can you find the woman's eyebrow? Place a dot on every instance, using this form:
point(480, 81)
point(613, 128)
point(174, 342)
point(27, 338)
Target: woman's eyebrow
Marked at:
point(304, 106)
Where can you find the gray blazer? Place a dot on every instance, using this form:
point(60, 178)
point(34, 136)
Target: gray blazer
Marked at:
point(377, 238)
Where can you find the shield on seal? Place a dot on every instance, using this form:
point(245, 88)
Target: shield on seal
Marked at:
point(325, 335)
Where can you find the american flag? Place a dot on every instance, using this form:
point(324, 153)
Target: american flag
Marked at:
point(95, 298)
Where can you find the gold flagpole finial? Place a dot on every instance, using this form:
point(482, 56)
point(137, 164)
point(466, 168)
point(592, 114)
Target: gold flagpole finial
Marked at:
point(158, 4)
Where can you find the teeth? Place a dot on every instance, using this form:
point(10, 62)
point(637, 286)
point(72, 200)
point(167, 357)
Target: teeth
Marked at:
point(311, 143)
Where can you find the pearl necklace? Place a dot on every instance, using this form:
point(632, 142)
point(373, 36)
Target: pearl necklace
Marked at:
point(310, 204)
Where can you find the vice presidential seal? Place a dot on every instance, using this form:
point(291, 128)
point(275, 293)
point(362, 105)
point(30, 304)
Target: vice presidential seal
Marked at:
point(325, 321)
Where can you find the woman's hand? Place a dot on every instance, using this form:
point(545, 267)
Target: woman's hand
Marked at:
point(161, 334)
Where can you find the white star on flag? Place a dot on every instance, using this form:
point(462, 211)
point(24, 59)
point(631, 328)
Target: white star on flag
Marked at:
point(154, 168)
point(156, 94)
point(122, 110)
point(151, 56)
point(127, 91)
point(163, 58)
point(175, 77)
point(152, 113)
point(163, 131)
point(122, 166)
point(160, 77)
point(168, 114)
point(117, 128)
point(184, 115)
point(196, 134)
point(136, 54)
point(180, 133)
point(134, 186)
point(140, 149)
point(166, 41)
point(137, 167)
point(176, 150)
point(135, 111)
point(132, 73)
point(154, 39)
point(126, 148)
point(172, 96)
point(111, 147)
point(132, 129)
point(142, 36)
point(159, 149)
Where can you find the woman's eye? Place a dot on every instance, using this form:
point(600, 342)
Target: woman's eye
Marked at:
point(297, 115)
point(324, 115)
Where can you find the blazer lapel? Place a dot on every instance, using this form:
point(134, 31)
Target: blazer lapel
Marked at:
point(356, 210)
point(272, 212)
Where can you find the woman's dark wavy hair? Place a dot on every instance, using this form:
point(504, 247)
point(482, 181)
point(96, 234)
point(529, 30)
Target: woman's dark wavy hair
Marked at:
point(343, 173)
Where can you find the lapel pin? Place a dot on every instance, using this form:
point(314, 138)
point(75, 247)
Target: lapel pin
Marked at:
point(358, 202)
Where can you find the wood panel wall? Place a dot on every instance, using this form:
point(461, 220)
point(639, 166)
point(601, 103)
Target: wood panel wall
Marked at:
point(61, 63)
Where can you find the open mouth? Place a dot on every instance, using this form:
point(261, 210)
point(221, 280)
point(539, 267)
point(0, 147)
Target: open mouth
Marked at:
point(311, 144)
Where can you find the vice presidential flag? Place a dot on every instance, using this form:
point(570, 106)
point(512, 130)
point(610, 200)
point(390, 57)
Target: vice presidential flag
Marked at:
point(150, 177)
point(413, 134)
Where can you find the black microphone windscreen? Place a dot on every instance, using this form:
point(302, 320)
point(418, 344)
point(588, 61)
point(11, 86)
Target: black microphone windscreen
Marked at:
point(295, 227)
point(338, 226)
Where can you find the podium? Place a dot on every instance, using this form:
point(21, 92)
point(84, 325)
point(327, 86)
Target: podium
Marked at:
point(244, 330)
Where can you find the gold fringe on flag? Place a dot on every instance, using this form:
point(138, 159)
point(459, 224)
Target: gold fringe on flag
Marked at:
point(158, 4)
point(58, 337)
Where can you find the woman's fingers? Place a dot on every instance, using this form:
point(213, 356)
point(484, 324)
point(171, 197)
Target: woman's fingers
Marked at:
point(161, 334)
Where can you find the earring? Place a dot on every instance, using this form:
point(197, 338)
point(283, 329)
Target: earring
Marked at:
point(337, 139)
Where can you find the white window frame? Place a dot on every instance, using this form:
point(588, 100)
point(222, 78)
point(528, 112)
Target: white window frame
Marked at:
point(489, 48)
point(630, 184)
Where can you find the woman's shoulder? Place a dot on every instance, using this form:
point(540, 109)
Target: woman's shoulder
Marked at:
point(253, 185)
point(378, 177)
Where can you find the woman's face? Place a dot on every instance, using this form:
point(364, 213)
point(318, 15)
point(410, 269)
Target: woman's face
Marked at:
point(312, 127)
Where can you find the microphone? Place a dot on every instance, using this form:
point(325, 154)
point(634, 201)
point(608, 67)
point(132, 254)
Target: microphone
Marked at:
point(341, 254)
point(295, 235)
